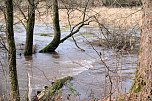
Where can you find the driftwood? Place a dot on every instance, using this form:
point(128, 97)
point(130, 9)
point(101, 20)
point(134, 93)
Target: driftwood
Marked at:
point(49, 91)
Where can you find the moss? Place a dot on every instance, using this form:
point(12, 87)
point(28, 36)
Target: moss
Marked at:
point(11, 42)
point(56, 27)
point(138, 84)
point(121, 98)
point(51, 90)
point(59, 83)
point(44, 34)
point(51, 47)
point(27, 53)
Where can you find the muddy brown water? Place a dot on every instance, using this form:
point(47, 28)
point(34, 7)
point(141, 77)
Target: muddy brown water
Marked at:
point(89, 72)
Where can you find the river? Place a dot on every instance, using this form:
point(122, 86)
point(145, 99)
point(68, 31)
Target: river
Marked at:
point(89, 72)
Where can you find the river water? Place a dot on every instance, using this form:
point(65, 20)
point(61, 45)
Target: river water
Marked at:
point(89, 72)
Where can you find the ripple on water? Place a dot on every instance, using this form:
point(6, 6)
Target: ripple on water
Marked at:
point(86, 67)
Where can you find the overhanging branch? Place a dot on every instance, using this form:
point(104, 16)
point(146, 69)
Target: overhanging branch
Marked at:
point(79, 26)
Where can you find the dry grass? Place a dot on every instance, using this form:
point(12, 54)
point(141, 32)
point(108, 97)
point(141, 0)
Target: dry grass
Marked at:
point(124, 17)
point(116, 17)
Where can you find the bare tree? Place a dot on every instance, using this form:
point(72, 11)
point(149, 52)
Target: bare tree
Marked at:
point(11, 51)
point(30, 28)
point(73, 30)
point(56, 27)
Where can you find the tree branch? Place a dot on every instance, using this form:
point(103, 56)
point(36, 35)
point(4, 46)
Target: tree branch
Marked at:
point(74, 32)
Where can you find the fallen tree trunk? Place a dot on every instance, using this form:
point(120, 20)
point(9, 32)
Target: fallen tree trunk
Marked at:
point(51, 90)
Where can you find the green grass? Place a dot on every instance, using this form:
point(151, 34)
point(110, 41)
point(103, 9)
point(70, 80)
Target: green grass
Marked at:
point(44, 34)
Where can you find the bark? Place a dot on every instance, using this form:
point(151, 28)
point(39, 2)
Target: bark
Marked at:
point(51, 90)
point(56, 27)
point(11, 52)
point(143, 80)
point(30, 29)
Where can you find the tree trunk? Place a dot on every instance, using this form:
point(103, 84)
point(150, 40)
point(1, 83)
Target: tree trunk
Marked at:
point(30, 29)
point(56, 27)
point(11, 52)
point(143, 80)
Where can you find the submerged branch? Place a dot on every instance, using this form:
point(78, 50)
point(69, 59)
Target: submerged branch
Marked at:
point(51, 90)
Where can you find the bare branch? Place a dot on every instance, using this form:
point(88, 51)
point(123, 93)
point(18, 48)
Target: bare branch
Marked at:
point(22, 12)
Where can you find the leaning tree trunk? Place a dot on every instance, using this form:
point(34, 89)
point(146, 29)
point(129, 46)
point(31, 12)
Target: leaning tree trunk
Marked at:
point(143, 80)
point(56, 27)
point(11, 52)
point(30, 29)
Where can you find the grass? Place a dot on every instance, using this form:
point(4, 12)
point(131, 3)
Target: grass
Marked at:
point(124, 17)
point(44, 34)
point(117, 17)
